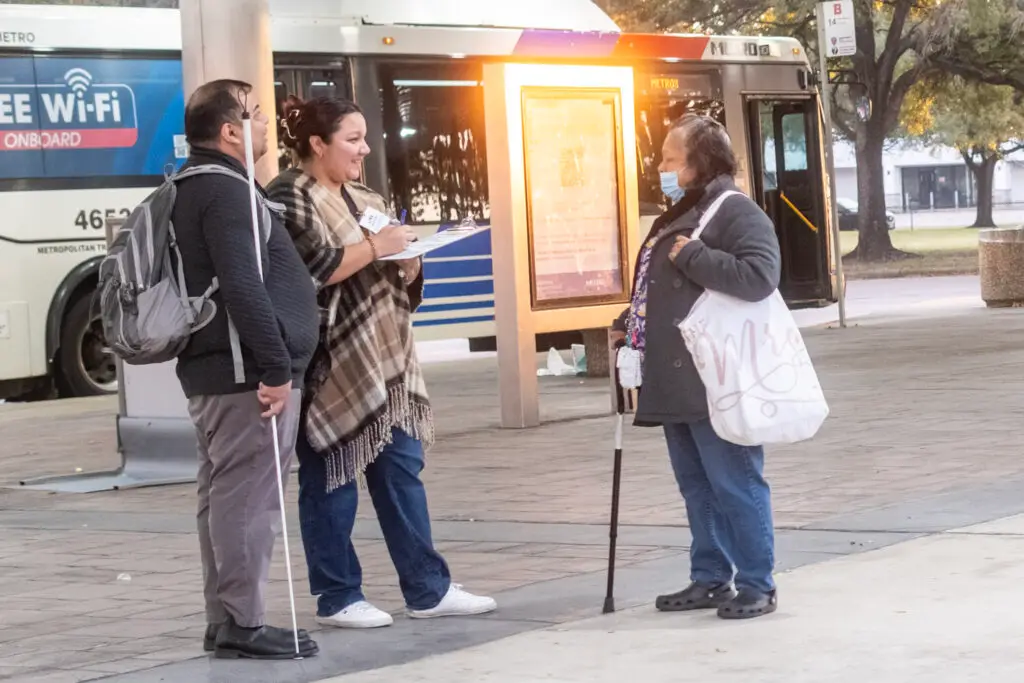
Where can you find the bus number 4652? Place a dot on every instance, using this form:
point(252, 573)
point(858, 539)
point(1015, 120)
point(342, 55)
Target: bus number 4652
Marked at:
point(96, 218)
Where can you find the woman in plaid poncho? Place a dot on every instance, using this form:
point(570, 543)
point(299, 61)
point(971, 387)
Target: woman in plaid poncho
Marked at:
point(366, 416)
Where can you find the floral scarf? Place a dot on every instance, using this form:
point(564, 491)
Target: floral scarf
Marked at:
point(636, 326)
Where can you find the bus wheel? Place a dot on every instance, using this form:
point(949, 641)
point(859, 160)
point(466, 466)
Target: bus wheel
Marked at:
point(87, 366)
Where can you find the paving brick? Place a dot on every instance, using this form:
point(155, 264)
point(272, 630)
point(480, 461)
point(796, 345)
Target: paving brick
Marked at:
point(57, 676)
point(125, 666)
point(921, 407)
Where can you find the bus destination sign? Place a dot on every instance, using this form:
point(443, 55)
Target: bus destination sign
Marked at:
point(681, 85)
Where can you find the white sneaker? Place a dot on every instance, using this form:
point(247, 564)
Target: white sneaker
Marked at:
point(457, 603)
point(357, 615)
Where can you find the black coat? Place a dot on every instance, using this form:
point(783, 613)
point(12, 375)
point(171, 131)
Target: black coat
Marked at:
point(738, 254)
point(278, 321)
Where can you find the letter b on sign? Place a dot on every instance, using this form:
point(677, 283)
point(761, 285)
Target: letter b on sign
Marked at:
point(837, 8)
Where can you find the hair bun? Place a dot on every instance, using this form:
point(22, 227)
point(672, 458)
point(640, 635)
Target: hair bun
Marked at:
point(291, 120)
point(299, 122)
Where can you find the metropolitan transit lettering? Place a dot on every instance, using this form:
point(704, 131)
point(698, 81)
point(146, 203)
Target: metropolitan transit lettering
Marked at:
point(89, 248)
point(77, 114)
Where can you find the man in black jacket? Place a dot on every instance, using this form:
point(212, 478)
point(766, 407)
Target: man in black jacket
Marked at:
point(232, 395)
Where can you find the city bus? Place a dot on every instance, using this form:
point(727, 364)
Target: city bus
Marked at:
point(91, 117)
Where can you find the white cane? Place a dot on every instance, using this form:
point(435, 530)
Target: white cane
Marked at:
point(250, 166)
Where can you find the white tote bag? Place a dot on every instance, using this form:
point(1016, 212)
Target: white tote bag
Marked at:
point(760, 383)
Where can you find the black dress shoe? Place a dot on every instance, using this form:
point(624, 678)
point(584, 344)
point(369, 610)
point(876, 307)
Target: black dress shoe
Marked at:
point(264, 642)
point(210, 637)
point(696, 596)
point(748, 604)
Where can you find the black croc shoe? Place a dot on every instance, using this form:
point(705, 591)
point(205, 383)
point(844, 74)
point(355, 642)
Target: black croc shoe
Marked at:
point(696, 596)
point(748, 604)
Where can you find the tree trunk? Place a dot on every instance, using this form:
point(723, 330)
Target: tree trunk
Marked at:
point(873, 243)
point(984, 178)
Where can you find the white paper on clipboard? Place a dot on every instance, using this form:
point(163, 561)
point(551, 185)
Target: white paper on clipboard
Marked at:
point(439, 239)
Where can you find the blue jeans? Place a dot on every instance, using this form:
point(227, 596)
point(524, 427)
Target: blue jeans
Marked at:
point(400, 499)
point(728, 504)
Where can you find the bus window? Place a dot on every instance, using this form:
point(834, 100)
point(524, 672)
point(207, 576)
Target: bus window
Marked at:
point(661, 99)
point(788, 184)
point(325, 83)
point(434, 141)
point(306, 83)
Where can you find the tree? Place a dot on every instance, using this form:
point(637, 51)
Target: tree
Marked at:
point(900, 42)
point(983, 122)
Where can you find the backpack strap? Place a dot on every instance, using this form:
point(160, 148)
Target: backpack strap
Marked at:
point(203, 169)
point(236, 350)
point(265, 220)
point(190, 312)
point(711, 211)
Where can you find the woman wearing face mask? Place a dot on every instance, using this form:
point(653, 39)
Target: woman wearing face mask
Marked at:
point(728, 501)
point(366, 413)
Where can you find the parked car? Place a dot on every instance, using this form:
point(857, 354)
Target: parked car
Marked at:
point(848, 211)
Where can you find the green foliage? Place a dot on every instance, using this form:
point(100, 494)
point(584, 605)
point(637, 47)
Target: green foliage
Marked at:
point(977, 116)
point(981, 121)
point(980, 40)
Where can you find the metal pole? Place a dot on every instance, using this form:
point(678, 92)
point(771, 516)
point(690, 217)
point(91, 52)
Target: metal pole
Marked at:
point(825, 92)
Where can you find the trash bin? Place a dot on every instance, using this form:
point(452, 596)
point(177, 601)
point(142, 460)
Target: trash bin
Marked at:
point(1001, 266)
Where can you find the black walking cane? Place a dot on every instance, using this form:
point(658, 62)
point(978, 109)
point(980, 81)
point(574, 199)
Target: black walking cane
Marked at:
point(613, 532)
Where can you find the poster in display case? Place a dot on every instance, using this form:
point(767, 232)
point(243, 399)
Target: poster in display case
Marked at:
point(574, 164)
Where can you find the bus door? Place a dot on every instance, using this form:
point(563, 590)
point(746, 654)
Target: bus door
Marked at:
point(789, 183)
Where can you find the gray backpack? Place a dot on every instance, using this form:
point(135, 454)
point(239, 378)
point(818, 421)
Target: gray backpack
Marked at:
point(147, 314)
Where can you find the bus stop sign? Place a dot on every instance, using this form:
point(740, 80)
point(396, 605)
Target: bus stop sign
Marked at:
point(840, 29)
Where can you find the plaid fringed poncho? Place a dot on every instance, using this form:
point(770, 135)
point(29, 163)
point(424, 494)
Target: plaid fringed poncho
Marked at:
point(365, 378)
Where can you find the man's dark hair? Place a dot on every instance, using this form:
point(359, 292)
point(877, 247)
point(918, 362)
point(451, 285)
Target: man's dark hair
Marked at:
point(707, 146)
point(211, 106)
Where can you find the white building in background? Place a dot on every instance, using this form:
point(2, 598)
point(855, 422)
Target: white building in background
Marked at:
point(924, 178)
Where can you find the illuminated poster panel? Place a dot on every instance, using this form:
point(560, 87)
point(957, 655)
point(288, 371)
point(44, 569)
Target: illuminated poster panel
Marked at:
point(574, 186)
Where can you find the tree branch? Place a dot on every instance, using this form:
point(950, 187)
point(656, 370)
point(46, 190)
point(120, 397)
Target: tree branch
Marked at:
point(983, 74)
point(896, 44)
point(1007, 151)
point(898, 93)
point(968, 154)
point(842, 120)
point(864, 60)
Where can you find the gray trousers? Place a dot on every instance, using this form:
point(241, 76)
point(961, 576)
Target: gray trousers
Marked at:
point(239, 514)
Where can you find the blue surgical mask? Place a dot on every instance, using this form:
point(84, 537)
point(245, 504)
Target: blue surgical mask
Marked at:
point(670, 186)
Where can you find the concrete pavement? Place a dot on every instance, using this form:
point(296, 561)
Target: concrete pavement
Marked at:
point(924, 436)
point(945, 609)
